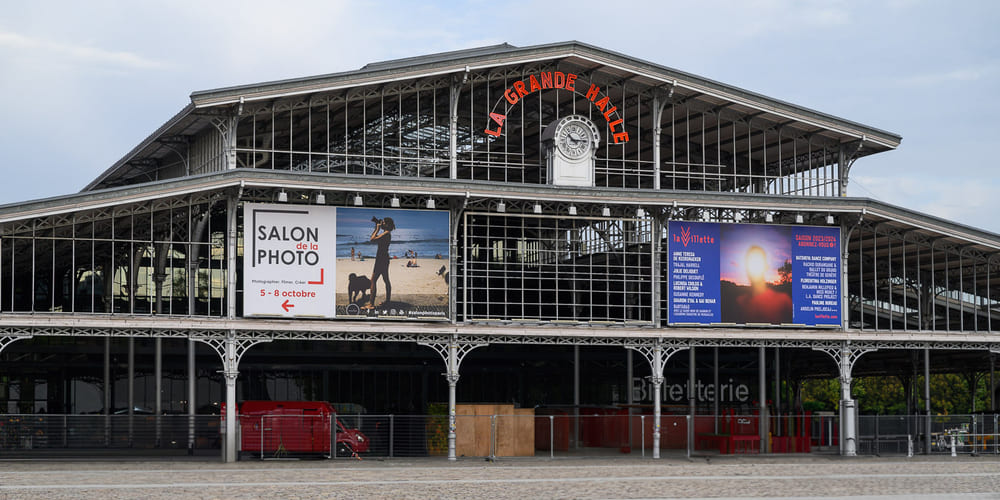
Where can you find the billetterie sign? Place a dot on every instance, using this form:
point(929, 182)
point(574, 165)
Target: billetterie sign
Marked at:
point(673, 392)
point(307, 261)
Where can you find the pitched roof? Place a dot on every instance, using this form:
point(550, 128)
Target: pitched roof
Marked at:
point(197, 115)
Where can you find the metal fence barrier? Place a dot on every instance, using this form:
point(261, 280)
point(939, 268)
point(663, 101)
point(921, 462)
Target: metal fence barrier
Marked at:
point(41, 434)
point(949, 434)
point(490, 436)
point(560, 434)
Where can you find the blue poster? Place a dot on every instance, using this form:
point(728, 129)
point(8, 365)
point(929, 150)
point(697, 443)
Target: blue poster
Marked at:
point(753, 274)
point(694, 272)
point(816, 269)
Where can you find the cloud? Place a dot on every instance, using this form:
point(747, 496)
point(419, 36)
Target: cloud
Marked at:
point(40, 49)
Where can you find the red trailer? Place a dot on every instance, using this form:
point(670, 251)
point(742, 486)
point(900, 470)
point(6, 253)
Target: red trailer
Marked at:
point(295, 427)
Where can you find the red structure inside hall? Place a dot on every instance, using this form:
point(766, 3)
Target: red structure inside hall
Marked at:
point(614, 428)
point(294, 427)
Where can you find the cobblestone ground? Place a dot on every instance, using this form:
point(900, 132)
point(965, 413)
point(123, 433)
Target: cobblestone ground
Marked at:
point(522, 479)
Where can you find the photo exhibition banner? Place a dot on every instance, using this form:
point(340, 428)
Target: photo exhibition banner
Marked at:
point(309, 261)
point(749, 274)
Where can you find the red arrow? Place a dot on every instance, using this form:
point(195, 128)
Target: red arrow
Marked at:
point(287, 306)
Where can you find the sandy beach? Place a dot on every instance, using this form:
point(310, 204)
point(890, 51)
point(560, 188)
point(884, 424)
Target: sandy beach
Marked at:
point(414, 289)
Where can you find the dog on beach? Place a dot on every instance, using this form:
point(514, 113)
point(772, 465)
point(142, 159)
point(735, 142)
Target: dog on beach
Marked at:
point(357, 286)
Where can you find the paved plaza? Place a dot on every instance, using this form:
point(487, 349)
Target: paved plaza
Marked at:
point(586, 478)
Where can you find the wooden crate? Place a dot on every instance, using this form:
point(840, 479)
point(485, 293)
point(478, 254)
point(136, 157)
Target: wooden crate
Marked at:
point(515, 430)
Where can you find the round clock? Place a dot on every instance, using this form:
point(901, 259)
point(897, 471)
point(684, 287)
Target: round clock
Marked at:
point(576, 137)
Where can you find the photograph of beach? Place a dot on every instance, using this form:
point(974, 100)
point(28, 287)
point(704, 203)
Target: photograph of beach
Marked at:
point(392, 263)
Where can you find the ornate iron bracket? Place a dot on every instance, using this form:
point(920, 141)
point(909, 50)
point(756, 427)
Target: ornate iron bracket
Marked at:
point(657, 354)
point(845, 357)
point(6, 340)
point(230, 350)
point(445, 350)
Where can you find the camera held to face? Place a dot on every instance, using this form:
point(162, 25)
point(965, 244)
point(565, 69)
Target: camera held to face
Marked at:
point(386, 224)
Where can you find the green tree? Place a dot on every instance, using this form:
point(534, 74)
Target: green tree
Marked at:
point(820, 394)
point(951, 394)
point(879, 395)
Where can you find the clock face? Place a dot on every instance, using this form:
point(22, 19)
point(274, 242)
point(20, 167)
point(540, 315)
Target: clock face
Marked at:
point(574, 139)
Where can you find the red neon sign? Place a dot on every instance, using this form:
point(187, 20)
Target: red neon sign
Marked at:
point(557, 80)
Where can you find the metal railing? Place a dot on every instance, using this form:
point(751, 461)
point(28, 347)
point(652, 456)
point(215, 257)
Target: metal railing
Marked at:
point(548, 433)
point(487, 435)
point(60, 434)
point(949, 434)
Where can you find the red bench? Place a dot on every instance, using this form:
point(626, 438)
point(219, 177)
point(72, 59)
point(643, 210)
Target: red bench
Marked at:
point(744, 443)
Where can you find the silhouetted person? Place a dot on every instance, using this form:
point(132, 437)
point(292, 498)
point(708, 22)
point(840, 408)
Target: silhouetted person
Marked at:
point(382, 236)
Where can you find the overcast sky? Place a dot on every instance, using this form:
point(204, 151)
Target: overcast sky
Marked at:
point(84, 82)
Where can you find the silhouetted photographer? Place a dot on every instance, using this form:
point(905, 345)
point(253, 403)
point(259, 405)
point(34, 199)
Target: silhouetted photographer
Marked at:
point(382, 236)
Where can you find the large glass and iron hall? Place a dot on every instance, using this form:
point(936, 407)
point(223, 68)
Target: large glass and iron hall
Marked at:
point(564, 183)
